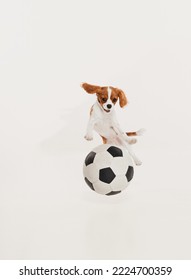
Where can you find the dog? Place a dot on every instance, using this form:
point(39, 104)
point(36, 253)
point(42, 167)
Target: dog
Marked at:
point(103, 118)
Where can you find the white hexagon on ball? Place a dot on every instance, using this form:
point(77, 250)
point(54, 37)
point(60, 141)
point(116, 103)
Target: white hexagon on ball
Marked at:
point(108, 169)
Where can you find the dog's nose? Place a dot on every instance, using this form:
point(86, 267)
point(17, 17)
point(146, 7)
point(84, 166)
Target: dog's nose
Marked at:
point(109, 106)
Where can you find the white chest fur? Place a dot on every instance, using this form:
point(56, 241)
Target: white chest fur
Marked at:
point(104, 121)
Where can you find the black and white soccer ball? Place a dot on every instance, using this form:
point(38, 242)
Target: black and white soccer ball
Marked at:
point(108, 169)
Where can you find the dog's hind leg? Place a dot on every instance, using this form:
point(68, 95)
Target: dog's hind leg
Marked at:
point(136, 133)
point(132, 154)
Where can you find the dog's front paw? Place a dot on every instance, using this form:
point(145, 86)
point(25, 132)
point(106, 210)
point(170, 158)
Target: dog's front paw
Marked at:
point(88, 137)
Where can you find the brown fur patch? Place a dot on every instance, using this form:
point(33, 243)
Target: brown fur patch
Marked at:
point(102, 95)
point(131, 133)
point(90, 88)
point(114, 95)
point(104, 140)
point(122, 97)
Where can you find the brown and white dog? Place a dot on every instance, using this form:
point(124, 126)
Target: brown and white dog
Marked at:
point(103, 119)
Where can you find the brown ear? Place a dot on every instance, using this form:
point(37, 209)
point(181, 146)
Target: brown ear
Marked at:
point(122, 98)
point(90, 88)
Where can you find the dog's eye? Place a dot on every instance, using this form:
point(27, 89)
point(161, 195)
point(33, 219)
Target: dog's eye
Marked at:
point(104, 99)
point(114, 100)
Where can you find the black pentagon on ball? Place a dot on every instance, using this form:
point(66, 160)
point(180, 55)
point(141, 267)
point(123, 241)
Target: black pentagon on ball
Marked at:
point(115, 151)
point(129, 174)
point(89, 184)
point(90, 158)
point(106, 175)
point(113, 193)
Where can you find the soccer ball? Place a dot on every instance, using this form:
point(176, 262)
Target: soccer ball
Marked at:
point(108, 169)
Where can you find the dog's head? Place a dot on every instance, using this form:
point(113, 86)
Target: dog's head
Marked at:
point(106, 96)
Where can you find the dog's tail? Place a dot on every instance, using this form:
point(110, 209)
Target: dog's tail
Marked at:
point(136, 133)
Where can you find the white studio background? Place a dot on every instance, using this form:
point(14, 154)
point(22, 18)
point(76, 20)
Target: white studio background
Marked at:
point(47, 49)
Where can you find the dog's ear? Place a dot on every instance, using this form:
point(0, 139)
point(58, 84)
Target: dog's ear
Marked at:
point(122, 98)
point(90, 88)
